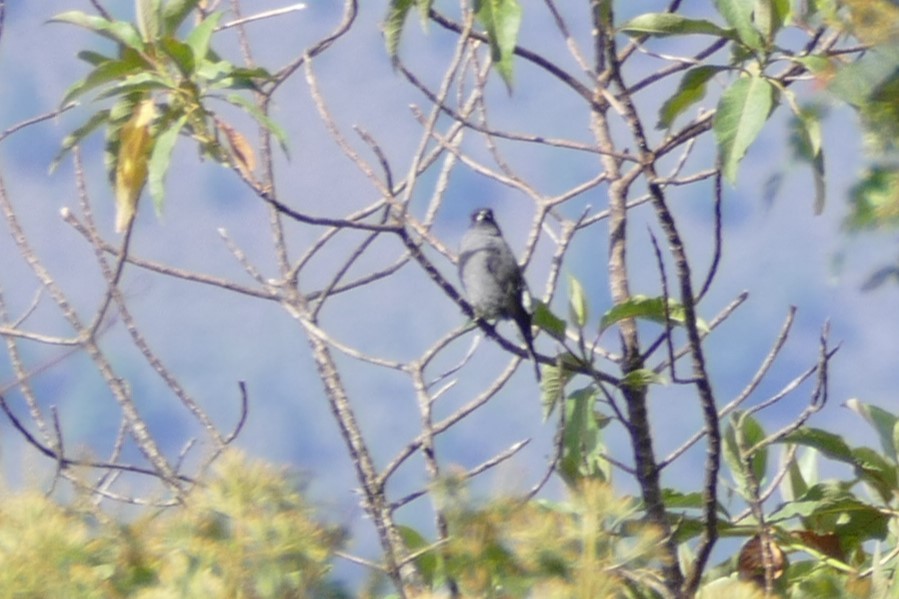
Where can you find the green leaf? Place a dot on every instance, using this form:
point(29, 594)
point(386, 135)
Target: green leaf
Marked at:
point(870, 466)
point(751, 433)
point(677, 499)
point(742, 112)
point(890, 587)
point(831, 508)
point(149, 19)
point(263, 119)
point(393, 24)
point(221, 74)
point(783, 12)
point(875, 471)
point(242, 78)
point(93, 58)
point(806, 142)
point(582, 445)
point(875, 199)
point(855, 83)
point(201, 35)
point(738, 14)
point(687, 529)
point(552, 388)
point(883, 422)
point(793, 484)
point(213, 70)
point(770, 16)
point(763, 17)
point(501, 19)
point(806, 133)
point(118, 31)
point(695, 500)
point(107, 72)
point(827, 443)
point(664, 24)
point(545, 320)
point(814, 63)
point(424, 9)
point(577, 301)
point(175, 12)
point(428, 562)
point(75, 137)
point(554, 379)
point(138, 83)
point(647, 308)
point(690, 91)
point(160, 159)
point(642, 378)
point(180, 53)
point(808, 465)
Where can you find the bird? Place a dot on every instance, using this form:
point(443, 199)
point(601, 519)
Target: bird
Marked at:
point(492, 279)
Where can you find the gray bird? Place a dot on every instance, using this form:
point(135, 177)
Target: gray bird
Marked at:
point(494, 285)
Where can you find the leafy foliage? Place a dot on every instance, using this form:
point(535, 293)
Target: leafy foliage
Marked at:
point(586, 546)
point(582, 446)
point(654, 309)
point(870, 84)
point(666, 24)
point(556, 549)
point(246, 531)
point(160, 86)
point(500, 20)
point(691, 90)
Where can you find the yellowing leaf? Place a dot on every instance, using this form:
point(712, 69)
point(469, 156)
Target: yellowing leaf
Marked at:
point(131, 167)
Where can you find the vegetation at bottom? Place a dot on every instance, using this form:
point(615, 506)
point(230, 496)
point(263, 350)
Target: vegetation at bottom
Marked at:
point(247, 531)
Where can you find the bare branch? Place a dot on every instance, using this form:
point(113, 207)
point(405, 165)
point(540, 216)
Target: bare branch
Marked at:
point(37, 119)
point(268, 14)
point(65, 462)
point(137, 426)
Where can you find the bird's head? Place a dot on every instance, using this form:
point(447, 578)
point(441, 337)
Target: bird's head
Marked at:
point(482, 216)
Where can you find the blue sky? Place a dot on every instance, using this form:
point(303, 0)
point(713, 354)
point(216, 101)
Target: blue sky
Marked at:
point(781, 253)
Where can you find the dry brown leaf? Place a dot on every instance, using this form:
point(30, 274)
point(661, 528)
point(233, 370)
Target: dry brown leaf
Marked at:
point(828, 544)
point(751, 561)
point(241, 150)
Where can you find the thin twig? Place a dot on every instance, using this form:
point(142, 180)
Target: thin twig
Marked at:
point(37, 119)
point(277, 12)
point(68, 462)
point(480, 468)
point(165, 269)
point(113, 293)
point(137, 426)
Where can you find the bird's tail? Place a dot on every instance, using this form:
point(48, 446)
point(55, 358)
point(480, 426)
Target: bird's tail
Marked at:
point(523, 320)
